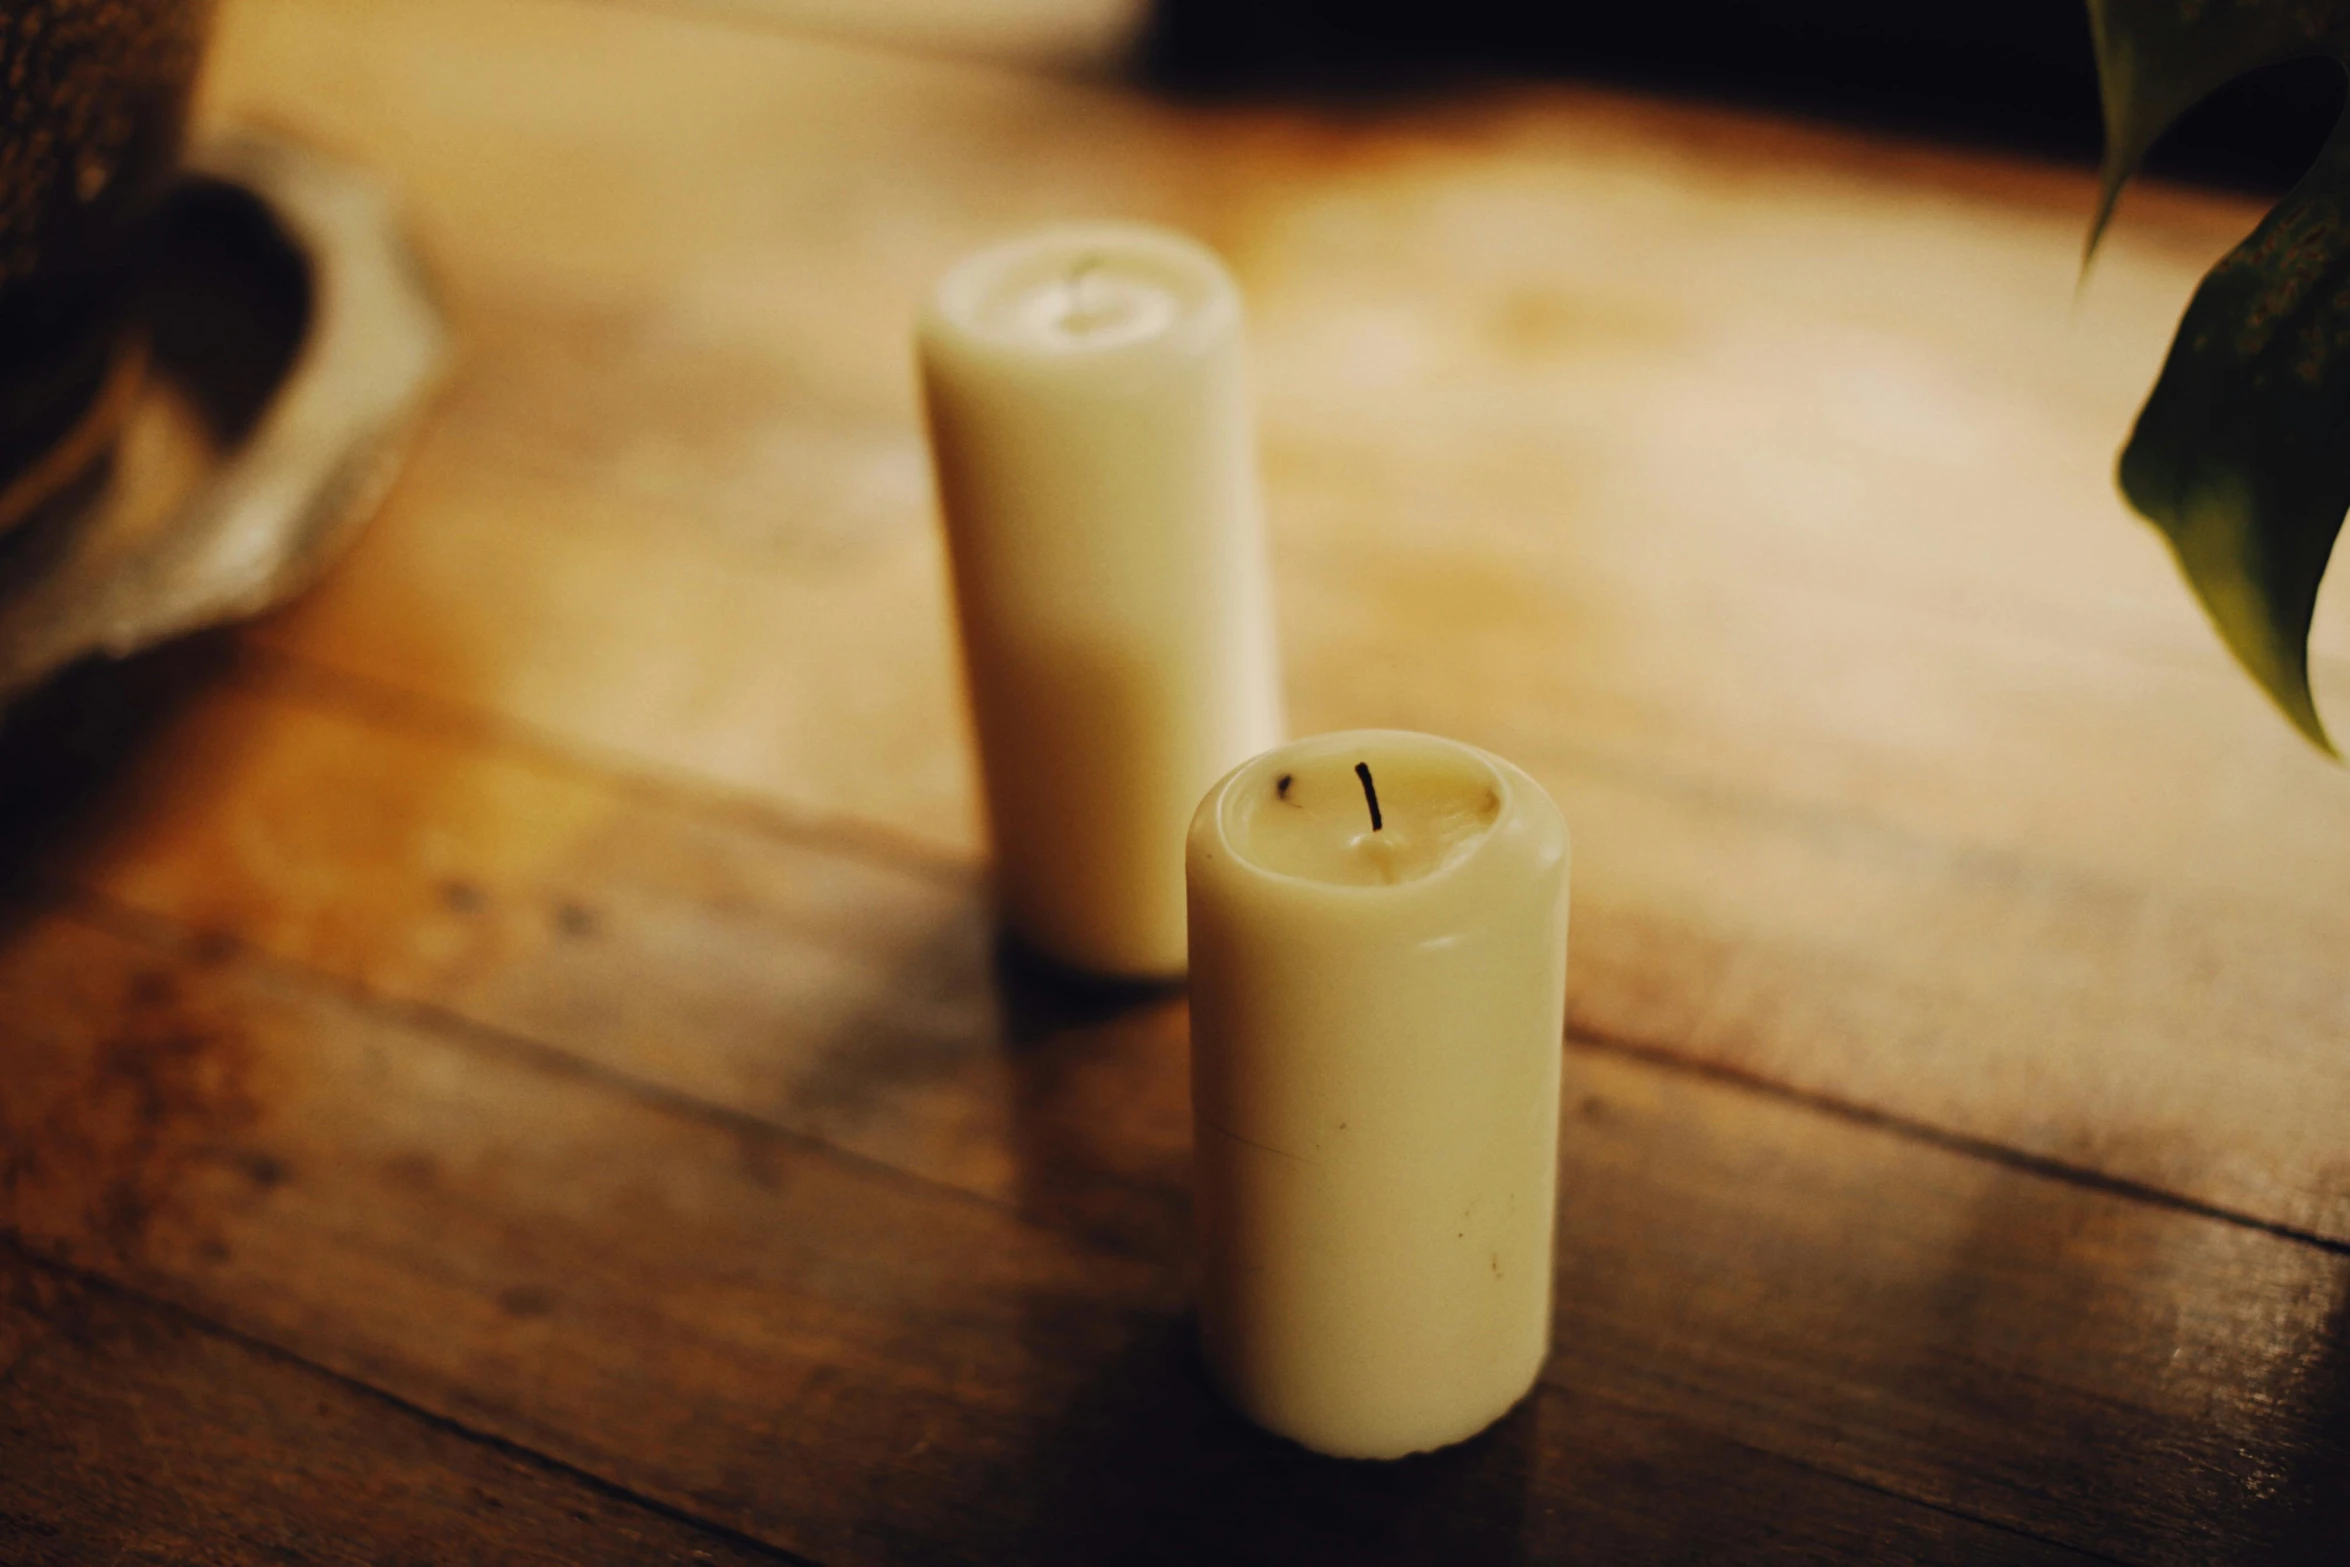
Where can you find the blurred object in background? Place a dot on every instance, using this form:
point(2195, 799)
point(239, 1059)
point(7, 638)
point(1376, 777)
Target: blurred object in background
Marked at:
point(287, 343)
point(96, 95)
point(2012, 73)
point(2005, 73)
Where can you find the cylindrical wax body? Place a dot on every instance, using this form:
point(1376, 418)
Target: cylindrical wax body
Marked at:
point(1377, 1021)
point(1090, 427)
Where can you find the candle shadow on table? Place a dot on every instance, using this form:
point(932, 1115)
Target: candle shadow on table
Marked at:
point(1135, 1458)
point(1040, 990)
point(1100, 1102)
point(1148, 1465)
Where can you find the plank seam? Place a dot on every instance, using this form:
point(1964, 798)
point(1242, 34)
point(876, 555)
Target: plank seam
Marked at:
point(268, 671)
point(102, 913)
point(272, 673)
point(110, 917)
point(115, 918)
point(1839, 1476)
point(269, 1350)
point(1966, 1144)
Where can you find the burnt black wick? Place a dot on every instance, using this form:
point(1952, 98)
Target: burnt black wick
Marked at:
point(1370, 792)
point(1282, 788)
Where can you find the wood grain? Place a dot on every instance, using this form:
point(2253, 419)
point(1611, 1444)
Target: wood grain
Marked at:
point(164, 1443)
point(720, 949)
point(688, 1298)
point(1747, 484)
point(136, 1436)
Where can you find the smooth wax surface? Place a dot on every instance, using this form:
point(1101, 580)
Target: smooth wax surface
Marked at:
point(1090, 428)
point(1377, 1019)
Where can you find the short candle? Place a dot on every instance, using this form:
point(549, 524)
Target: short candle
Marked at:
point(1089, 424)
point(1378, 998)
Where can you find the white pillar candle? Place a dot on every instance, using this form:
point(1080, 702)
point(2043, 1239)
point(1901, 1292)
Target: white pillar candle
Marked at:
point(1090, 427)
point(1377, 1014)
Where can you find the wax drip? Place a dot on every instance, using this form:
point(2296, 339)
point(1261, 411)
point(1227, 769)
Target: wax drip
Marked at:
point(1370, 793)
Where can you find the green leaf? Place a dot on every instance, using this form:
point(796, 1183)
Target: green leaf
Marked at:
point(2242, 454)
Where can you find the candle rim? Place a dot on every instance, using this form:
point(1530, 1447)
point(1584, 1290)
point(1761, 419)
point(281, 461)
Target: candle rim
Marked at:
point(1214, 808)
point(960, 298)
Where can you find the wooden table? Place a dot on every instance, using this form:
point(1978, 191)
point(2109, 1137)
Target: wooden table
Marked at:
point(510, 1063)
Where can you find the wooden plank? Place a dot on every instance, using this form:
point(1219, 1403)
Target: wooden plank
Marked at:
point(141, 1436)
point(1747, 484)
point(861, 1366)
point(722, 952)
point(129, 1434)
point(1778, 435)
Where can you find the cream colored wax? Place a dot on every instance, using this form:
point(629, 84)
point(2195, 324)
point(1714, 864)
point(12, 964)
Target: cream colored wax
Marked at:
point(1377, 1020)
point(1089, 423)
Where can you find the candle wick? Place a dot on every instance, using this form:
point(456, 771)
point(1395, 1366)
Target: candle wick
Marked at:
point(1370, 793)
point(1084, 268)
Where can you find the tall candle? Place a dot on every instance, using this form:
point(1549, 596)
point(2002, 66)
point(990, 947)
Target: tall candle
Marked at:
point(1378, 995)
point(1090, 428)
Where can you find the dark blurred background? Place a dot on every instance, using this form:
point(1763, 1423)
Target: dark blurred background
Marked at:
point(2016, 74)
